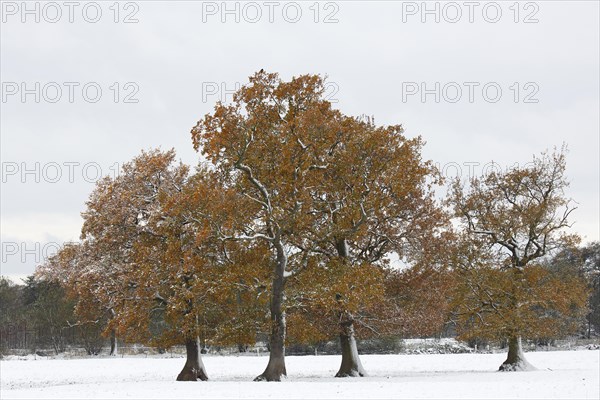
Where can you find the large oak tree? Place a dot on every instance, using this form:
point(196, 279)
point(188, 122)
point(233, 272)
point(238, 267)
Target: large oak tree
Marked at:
point(320, 185)
point(260, 144)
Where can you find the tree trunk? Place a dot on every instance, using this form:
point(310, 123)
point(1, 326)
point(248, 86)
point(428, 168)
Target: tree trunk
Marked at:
point(113, 342)
point(113, 334)
point(276, 366)
point(341, 245)
point(193, 370)
point(516, 358)
point(351, 365)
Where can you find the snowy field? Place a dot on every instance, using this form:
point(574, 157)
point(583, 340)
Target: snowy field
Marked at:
point(561, 374)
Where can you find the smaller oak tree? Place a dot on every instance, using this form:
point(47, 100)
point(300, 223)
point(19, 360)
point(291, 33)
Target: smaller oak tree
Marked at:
point(512, 219)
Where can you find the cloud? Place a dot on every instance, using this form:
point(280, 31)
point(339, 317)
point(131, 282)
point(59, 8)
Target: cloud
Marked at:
point(371, 53)
point(41, 227)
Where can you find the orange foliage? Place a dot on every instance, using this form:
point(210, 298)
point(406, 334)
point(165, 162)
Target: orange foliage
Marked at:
point(498, 303)
point(512, 220)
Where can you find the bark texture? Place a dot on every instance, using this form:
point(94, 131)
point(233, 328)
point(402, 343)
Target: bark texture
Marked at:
point(193, 370)
point(515, 361)
point(351, 365)
point(276, 366)
point(113, 343)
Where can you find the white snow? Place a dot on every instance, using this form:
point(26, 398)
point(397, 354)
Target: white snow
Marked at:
point(560, 374)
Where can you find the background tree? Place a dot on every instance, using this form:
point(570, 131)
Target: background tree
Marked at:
point(40, 315)
point(11, 311)
point(91, 317)
point(591, 267)
point(48, 312)
point(512, 219)
point(583, 262)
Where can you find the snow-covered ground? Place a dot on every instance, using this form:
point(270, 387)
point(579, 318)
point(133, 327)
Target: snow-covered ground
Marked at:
point(560, 374)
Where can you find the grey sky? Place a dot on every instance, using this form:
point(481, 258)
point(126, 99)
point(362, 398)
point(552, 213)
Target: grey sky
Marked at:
point(375, 55)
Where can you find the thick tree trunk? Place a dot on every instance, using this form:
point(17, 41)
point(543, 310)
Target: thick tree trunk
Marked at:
point(351, 365)
point(276, 366)
point(193, 370)
point(113, 342)
point(515, 360)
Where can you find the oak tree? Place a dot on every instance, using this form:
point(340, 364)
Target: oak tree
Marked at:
point(320, 185)
point(261, 144)
point(373, 201)
point(512, 220)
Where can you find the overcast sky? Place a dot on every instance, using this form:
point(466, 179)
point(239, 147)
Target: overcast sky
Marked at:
point(482, 82)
